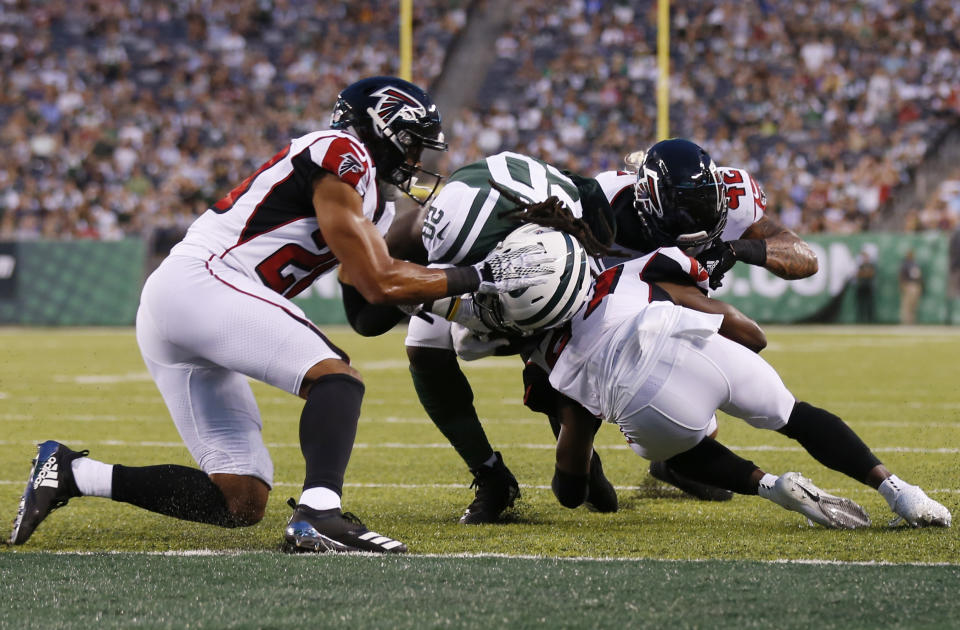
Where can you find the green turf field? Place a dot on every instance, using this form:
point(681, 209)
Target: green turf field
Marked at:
point(727, 562)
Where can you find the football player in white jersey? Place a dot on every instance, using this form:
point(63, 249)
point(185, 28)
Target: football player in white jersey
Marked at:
point(677, 196)
point(633, 355)
point(669, 201)
point(218, 311)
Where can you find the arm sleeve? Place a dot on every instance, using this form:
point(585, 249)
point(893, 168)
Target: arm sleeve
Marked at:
point(368, 319)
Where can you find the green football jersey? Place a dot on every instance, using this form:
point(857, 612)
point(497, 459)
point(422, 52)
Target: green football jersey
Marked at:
point(463, 223)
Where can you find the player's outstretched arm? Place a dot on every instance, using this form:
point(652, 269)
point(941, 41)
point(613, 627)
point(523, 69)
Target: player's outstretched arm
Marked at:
point(363, 254)
point(736, 326)
point(382, 279)
point(788, 255)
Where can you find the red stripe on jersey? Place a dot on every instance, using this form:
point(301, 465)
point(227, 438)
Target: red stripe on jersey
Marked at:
point(227, 202)
point(343, 160)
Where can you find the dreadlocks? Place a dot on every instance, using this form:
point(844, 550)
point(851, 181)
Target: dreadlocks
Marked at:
point(553, 213)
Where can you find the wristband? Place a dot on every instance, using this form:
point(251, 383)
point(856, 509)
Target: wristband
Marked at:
point(752, 251)
point(462, 280)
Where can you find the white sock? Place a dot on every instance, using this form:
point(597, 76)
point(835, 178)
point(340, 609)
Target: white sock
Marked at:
point(93, 478)
point(766, 484)
point(320, 498)
point(890, 489)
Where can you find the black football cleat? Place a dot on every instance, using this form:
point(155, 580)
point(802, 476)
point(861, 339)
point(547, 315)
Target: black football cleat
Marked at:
point(601, 495)
point(497, 489)
point(49, 487)
point(317, 531)
point(704, 492)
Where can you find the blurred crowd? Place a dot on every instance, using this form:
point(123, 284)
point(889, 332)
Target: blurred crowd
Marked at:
point(132, 117)
point(830, 104)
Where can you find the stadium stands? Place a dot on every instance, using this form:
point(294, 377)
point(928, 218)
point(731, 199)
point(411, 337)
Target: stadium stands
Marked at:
point(124, 117)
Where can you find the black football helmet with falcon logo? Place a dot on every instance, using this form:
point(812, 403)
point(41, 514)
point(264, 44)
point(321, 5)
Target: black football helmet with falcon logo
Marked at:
point(679, 196)
point(396, 121)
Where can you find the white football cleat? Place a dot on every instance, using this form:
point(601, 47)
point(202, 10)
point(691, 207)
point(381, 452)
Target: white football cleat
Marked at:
point(911, 504)
point(795, 492)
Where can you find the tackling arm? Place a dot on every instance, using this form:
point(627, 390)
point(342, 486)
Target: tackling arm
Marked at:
point(788, 256)
point(363, 254)
point(767, 244)
point(736, 326)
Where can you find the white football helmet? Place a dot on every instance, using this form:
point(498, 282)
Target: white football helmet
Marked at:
point(547, 305)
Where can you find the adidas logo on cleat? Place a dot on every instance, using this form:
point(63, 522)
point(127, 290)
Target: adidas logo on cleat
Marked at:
point(333, 530)
point(47, 475)
point(384, 541)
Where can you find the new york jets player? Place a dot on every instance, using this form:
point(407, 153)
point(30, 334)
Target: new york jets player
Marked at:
point(644, 352)
point(218, 311)
point(469, 217)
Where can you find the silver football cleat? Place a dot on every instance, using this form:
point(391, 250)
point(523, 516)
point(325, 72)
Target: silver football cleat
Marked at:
point(795, 492)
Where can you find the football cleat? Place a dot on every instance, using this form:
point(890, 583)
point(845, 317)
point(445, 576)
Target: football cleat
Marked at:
point(795, 492)
point(49, 487)
point(310, 530)
point(912, 505)
point(497, 489)
point(664, 472)
point(601, 495)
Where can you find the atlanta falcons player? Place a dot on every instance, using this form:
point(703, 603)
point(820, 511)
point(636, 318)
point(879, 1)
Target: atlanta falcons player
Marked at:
point(634, 356)
point(218, 311)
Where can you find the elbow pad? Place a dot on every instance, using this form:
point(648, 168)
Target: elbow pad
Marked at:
point(570, 490)
point(365, 318)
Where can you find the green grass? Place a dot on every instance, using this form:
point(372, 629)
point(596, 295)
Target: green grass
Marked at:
point(896, 387)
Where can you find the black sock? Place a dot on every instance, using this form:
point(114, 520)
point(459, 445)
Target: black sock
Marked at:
point(447, 398)
point(177, 491)
point(712, 463)
point(328, 428)
point(830, 441)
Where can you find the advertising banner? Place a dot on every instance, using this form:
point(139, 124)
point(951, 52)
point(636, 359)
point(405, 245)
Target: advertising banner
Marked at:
point(844, 290)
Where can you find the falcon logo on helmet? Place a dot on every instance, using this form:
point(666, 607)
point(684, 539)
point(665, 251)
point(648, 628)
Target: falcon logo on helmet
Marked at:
point(396, 121)
point(395, 104)
point(679, 196)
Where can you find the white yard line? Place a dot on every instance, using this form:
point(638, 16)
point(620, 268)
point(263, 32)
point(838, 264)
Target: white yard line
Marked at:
point(526, 486)
point(325, 557)
point(444, 445)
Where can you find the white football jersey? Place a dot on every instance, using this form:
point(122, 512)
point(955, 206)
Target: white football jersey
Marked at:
point(266, 227)
point(611, 347)
point(746, 201)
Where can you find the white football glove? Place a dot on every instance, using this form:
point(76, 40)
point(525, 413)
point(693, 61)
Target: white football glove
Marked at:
point(505, 271)
point(461, 310)
point(471, 345)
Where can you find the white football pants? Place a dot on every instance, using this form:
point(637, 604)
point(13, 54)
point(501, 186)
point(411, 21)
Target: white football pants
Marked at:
point(203, 328)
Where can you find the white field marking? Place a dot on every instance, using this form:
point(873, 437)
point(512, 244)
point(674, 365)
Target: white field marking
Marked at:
point(327, 557)
point(864, 331)
point(525, 486)
point(490, 363)
point(832, 345)
point(4, 395)
point(67, 417)
point(72, 400)
point(444, 445)
point(26, 417)
point(103, 379)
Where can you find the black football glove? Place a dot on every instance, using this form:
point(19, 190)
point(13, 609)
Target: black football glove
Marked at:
point(719, 258)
